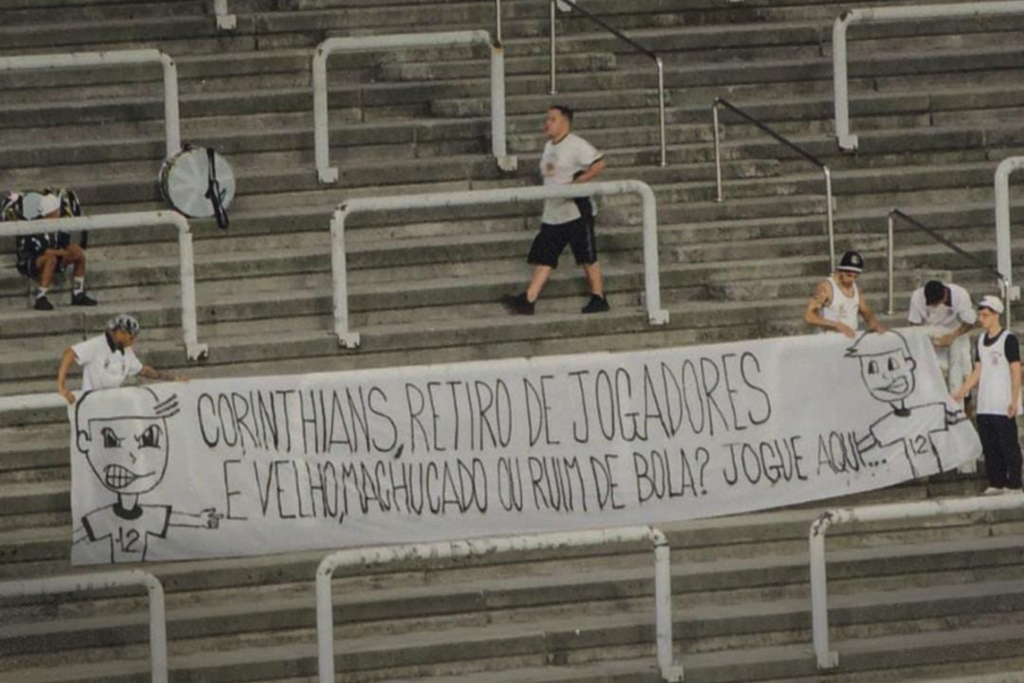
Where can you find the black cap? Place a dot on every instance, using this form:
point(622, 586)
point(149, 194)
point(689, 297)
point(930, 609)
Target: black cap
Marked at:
point(851, 262)
point(934, 292)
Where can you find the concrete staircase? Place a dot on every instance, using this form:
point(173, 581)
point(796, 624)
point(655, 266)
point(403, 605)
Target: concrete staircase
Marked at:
point(936, 106)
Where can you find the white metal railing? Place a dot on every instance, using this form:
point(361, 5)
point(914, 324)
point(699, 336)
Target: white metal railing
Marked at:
point(847, 140)
point(1004, 247)
point(117, 221)
point(71, 60)
point(339, 268)
point(380, 555)
point(878, 513)
point(225, 20)
point(328, 174)
point(100, 581)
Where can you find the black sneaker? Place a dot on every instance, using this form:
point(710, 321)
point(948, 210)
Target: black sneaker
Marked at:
point(597, 304)
point(82, 299)
point(43, 304)
point(517, 304)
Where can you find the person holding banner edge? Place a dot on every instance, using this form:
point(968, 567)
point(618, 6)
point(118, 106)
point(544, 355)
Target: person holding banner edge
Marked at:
point(837, 304)
point(997, 375)
point(107, 360)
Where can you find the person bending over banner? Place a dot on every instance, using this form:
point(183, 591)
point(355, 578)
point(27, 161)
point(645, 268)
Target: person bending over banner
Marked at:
point(126, 440)
point(568, 159)
point(887, 370)
point(949, 310)
point(837, 304)
point(107, 360)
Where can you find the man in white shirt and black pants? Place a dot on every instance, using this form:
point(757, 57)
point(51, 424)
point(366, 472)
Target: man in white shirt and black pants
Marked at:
point(997, 375)
point(947, 309)
point(567, 159)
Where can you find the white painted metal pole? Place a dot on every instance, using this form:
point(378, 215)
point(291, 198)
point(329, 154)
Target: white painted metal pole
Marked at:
point(499, 143)
point(840, 84)
point(325, 174)
point(172, 115)
point(819, 595)
point(1004, 255)
point(670, 671)
point(225, 20)
point(552, 18)
point(830, 218)
point(325, 620)
point(189, 322)
point(892, 264)
point(656, 315)
point(102, 581)
point(718, 153)
point(339, 275)
point(661, 111)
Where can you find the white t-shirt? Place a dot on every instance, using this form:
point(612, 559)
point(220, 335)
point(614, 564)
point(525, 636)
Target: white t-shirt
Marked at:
point(103, 367)
point(559, 163)
point(947, 317)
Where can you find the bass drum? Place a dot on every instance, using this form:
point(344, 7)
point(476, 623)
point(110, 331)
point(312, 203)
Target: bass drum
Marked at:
point(199, 183)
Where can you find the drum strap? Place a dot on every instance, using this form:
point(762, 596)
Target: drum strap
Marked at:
point(214, 193)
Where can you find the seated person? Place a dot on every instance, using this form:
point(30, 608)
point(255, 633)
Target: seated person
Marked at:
point(40, 256)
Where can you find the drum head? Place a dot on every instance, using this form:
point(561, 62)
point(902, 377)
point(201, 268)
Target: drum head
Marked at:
point(185, 181)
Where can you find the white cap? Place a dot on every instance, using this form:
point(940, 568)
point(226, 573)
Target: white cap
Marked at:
point(48, 203)
point(992, 303)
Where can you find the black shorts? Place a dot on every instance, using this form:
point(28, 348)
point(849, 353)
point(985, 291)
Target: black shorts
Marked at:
point(550, 242)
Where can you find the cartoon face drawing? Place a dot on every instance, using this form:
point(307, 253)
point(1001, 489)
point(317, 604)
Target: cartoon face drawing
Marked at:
point(886, 366)
point(125, 441)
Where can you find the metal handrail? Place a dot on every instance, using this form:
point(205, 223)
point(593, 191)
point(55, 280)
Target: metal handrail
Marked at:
point(327, 174)
point(623, 37)
point(826, 658)
point(1004, 257)
point(101, 581)
point(846, 140)
point(339, 266)
point(670, 669)
point(764, 128)
point(1004, 282)
point(73, 60)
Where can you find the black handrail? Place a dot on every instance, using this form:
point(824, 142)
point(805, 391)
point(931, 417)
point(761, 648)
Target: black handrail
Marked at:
point(945, 241)
point(766, 129)
point(611, 29)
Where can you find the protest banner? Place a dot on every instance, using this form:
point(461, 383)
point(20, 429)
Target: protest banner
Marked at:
point(234, 467)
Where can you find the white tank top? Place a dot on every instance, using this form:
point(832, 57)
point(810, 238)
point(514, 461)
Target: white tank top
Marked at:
point(995, 387)
point(842, 308)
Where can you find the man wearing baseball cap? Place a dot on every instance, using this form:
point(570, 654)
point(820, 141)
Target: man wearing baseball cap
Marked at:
point(837, 304)
point(108, 360)
point(997, 375)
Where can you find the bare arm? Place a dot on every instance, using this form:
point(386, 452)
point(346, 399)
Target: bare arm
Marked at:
point(869, 316)
point(162, 375)
point(591, 173)
point(947, 339)
point(819, 300)
point(62, 375)
point(972, 381)
point(1011, 410)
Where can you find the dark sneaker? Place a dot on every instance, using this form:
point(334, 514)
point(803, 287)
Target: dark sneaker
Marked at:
point(43, 304)
point(597, 304)
point(82, 299)
point(518, 304)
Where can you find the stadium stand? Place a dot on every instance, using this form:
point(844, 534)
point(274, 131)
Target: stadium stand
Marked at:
point(936, 106)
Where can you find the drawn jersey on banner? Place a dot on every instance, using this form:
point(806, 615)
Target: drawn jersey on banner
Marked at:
point(239, 467)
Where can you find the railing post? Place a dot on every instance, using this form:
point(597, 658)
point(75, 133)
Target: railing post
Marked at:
point(892, 263)
point(661, 109)
point(1004, 245)
point(656, 315)
point(172, 116)
point(819, 595)
point(225, 21)
point(840, 84)
point(325, 622)
point(552, 18)
point(718, 153)
point(189, 322)
point(670, 671)
point(339, 275)
point(498, 141)
point(830, 218)
point(325, 173)
point(497, 21)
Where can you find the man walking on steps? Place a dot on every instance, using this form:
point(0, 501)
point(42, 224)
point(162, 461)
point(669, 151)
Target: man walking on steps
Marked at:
point(837, 304)
point(567, 159)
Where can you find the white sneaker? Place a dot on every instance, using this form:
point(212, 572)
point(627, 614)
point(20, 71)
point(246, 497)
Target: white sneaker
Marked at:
point(992, 491)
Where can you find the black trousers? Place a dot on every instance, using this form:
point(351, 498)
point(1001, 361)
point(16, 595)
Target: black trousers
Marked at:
point(998, 435)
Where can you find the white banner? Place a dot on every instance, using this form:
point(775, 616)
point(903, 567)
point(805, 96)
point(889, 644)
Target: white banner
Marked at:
point(273, 464)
